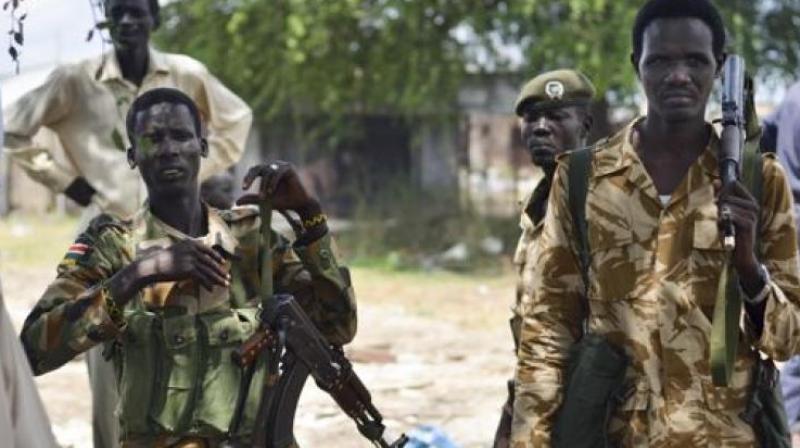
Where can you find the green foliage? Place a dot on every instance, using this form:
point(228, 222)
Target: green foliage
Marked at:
point(595, 36)
point(330, 58)
point(327, 56)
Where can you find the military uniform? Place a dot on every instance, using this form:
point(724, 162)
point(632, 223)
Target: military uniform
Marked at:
point(85, 104)
point(172, 345)
point(525, 254)
point(653, 278)
point(550, 90)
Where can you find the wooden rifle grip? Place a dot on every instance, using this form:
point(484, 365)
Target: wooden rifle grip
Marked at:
point(247, 353)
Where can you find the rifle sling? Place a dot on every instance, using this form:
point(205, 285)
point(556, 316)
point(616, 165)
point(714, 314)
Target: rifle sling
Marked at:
point(578, 178)
point(728, 303)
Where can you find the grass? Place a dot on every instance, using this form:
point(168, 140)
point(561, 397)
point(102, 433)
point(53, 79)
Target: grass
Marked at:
point(35, 241)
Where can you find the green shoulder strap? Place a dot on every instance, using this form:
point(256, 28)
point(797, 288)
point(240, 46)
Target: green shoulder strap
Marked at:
point(580, 165)
point(728, 304)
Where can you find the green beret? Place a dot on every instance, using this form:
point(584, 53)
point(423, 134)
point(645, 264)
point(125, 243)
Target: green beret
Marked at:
point(559, 88)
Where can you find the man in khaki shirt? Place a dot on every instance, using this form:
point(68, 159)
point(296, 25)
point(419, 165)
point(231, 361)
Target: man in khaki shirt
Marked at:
point(653, 209)
point(554, 116)
point(85, 104)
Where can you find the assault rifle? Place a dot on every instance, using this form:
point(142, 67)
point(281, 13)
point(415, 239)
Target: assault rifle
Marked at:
point(305, 351)
point(733, 134)
point(295, 349)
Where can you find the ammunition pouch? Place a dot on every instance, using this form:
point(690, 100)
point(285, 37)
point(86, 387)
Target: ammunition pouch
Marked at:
point(594, 387)
point(176, 374)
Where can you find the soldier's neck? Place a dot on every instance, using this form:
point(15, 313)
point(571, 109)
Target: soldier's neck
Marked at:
point(133, 62)
point(660, 137)
point(184, 213)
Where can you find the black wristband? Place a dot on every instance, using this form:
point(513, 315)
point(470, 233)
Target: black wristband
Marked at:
point(80, 191)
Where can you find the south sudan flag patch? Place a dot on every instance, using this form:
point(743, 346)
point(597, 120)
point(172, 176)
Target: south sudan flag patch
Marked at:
point(78, 251)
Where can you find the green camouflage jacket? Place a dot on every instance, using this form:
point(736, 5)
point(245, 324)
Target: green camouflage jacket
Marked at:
point(175, 339)
point(653, 279)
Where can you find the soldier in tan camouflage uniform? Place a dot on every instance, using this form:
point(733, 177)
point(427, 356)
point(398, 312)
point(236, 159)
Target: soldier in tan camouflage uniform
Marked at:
point(172, 292)
point(554, 116)
point(652, 212)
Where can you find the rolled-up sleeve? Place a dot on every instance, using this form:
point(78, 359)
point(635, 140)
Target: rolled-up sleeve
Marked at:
point(46, 106)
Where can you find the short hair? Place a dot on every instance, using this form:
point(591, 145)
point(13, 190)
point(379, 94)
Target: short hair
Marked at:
point(155, 11)
point(159, 96)
point(671, 9)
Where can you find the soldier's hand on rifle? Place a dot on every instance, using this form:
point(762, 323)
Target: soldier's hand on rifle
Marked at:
point(744, 212)
point(184, 260)
point(281, 183)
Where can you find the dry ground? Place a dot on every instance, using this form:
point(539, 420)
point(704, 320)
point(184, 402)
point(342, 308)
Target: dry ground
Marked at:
point(433, 348)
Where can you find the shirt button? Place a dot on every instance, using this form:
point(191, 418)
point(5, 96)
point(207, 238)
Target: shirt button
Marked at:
point(224, 335)
point(179, 339)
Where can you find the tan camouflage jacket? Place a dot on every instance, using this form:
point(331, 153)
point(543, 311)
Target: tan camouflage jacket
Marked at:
point(525, 262)
point(653, 280)
point(71, 316)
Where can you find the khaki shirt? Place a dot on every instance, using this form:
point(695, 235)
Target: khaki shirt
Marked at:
point(23, 420)
point(525, 262)
point(72, 315)
point(85, 104)
point(653, 280)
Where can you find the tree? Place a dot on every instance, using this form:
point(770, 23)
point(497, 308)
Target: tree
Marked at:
point(293, 59)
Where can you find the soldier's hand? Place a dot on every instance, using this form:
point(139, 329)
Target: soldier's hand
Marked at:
point(281, 183)
point(184, 260)
point(744, 212)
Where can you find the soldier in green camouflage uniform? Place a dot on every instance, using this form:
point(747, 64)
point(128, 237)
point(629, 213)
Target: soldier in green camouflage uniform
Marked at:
point(172, 292)
point(554, 116)
point(652, 212)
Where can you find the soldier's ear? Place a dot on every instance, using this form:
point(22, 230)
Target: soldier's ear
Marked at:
point(203, 147)
point(588, 121)
point(131, 154)
point(634, 64)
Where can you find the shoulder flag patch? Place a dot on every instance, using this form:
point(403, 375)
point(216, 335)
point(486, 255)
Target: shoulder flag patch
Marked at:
point(78, 250)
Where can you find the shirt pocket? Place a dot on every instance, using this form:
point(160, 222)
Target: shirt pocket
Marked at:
point(180, 370)
point(706, 260)
point(612, 275)
point(222, 379)
point(136, 366)
point(629, 425)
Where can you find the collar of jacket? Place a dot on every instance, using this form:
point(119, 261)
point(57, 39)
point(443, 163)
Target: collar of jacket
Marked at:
point(617, 153)
point(147, 226)
point(108, 66)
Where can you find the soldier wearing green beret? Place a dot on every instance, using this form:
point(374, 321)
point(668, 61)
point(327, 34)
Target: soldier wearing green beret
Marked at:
point(554, 117)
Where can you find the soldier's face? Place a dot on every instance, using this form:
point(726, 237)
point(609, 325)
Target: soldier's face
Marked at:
point(677, 68)
point(167, 149)
point(550, 132)
point(131, 22)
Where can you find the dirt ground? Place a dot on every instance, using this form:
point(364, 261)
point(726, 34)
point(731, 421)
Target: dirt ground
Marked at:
point(433, 348)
